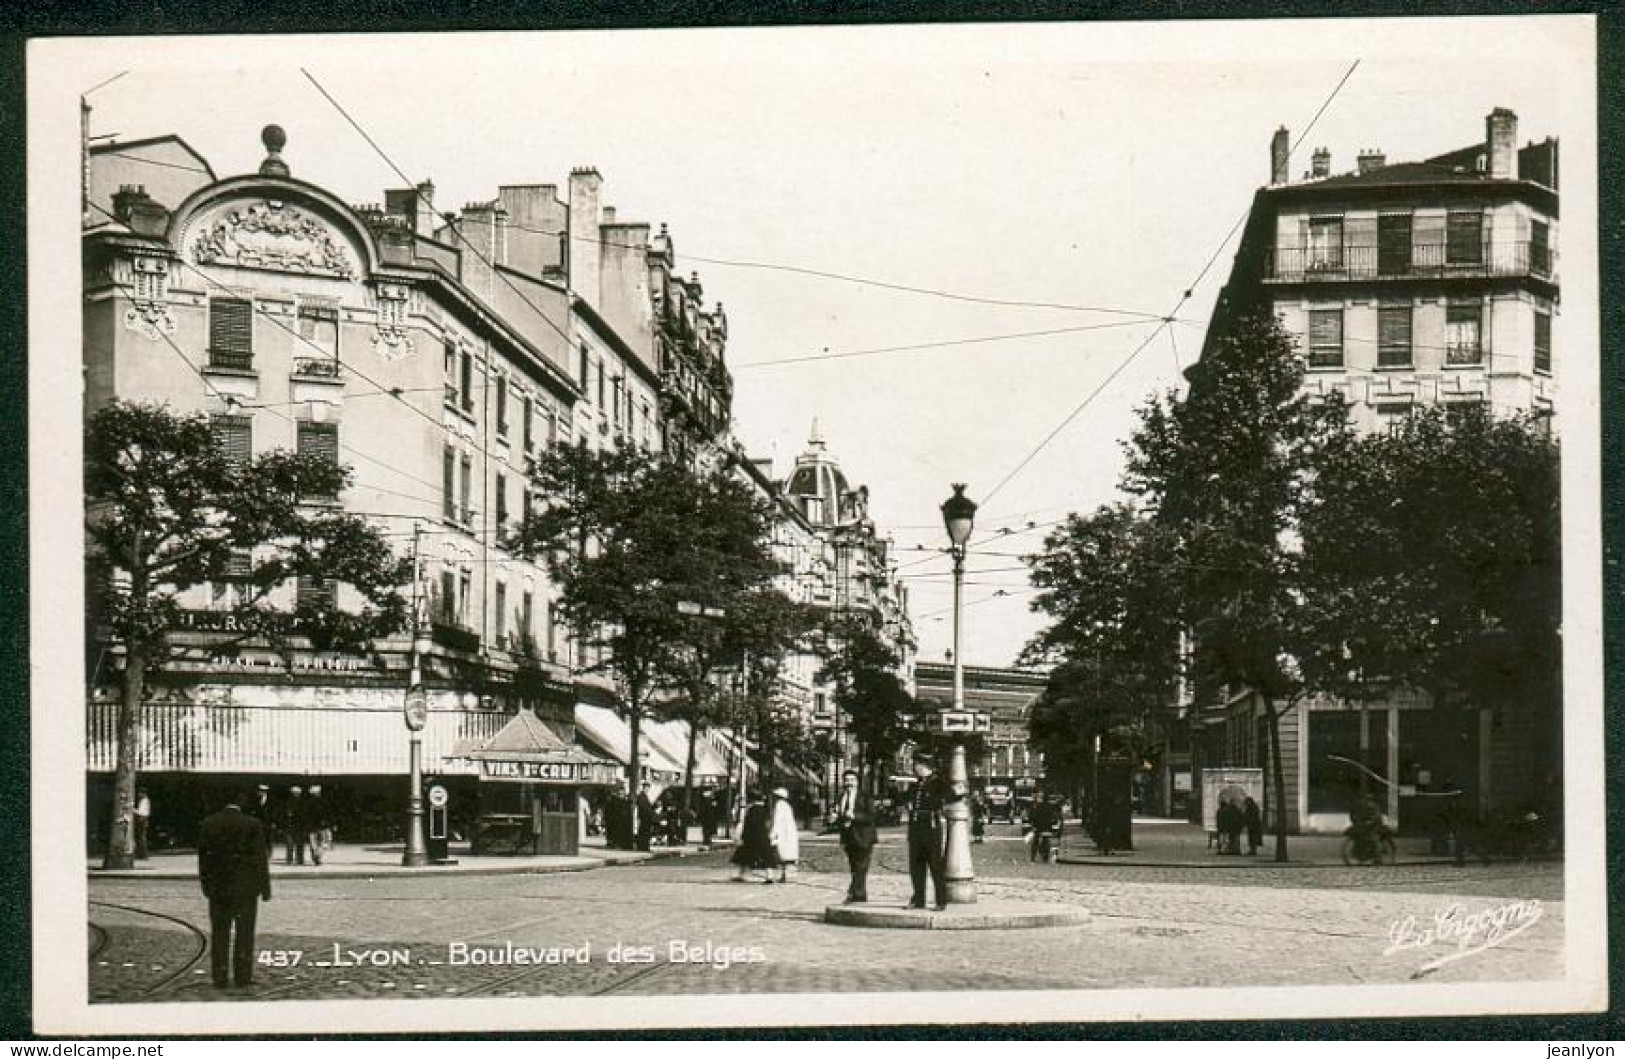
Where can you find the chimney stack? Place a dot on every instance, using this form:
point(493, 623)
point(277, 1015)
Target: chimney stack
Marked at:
point(1280, 147)
point(609, 214)
point(584, 245)
point(413, 207)
point(1320, 163)
point(136, 210)
point(1370, 160)
point(1500, 143)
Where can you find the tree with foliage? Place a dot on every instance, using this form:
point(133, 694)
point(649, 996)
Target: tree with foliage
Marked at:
point(1106, 581)
point(633, 539)
point(1431, 560)
point(1227, 469)
point(756, 628)
point(863, 669)
point(168, 510)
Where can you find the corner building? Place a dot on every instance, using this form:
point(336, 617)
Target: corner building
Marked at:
point(435, 356)
point(1407, 284)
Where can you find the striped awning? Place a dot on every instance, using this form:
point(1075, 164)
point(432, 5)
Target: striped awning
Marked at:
point(611, 734)
point(330, 740)
point(672, 739)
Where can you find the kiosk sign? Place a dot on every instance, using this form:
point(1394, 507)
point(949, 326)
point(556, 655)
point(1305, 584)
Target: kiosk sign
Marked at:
point(417, 709)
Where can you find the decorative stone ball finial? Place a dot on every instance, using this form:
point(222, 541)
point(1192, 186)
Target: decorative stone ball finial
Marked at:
point(274, 140)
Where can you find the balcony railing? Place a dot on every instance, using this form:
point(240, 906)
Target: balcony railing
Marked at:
point(316, 367)
point(231, 359)
point(1291, 264)
point(454, 636)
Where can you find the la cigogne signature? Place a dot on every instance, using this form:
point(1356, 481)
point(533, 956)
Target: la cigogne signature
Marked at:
point(1460, 933)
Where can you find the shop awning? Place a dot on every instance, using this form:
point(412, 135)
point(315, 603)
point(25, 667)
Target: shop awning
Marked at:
point(672, 739)
point(526, 750)
point(611, 734)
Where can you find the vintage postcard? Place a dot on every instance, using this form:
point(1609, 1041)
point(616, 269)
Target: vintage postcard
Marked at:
point(815, 526)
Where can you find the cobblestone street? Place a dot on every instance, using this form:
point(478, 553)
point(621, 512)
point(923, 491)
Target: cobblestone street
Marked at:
point(691, 929)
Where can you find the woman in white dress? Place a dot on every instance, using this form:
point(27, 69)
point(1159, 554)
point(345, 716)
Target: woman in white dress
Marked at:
point(786, 840)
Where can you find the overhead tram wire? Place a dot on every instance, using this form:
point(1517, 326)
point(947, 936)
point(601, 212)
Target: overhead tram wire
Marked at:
point(864, 281)
point(1171, 315)
point(1012, 336)
point(232, 400)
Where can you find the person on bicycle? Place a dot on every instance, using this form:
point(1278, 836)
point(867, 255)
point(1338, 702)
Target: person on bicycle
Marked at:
point(1045, 820)
point(1365, 825)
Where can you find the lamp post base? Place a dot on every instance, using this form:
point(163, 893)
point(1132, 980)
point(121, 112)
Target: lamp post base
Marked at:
point(959, 872)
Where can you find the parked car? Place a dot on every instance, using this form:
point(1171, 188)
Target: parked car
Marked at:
point(1001, 803)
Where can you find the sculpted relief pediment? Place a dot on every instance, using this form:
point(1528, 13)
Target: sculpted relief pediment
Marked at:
point(273, 235)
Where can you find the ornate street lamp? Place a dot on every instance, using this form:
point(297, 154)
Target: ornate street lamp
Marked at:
point(959, 516)
point(415, 709)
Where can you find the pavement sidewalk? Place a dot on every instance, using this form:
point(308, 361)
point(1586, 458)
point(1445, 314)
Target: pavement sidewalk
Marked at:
point(366, 861)
point(1175, 843)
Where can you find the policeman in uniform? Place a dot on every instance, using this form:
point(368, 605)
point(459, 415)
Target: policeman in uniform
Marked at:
point(928, 831)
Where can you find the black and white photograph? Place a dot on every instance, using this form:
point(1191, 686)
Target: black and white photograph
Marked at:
point(816, 525)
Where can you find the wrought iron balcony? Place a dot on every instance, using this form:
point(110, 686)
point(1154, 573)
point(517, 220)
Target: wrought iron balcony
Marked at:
point(316, 367)
point(1484, 260)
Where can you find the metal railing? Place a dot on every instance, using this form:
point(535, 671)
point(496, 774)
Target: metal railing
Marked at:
point(231, 359)
point(316, 367)
point(1296, 264)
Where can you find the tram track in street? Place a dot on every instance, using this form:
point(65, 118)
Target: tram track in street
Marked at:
point(200, 943)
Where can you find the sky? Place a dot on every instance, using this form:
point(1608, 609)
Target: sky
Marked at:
point(1096, 168)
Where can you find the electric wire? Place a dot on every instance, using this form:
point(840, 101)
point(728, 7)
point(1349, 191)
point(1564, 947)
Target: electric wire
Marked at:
point(1168, 318)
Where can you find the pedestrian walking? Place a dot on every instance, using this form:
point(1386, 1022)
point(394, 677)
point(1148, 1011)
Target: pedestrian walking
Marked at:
point(313, 822)
point(785, 835)
point(644, 820)
point(978, 819)
point(235, 873)
point(854, 820)
point(618, 819)
point(1253, 819)
point(1229, 820)
point(258, 805)
point(754, 853)
point(292, 823)
point(928, 832)
point(708, 817)
point(143, 819)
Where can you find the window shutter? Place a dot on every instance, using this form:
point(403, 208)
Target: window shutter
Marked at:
point(234, 437)
point(1326, 327)
point(449, 484)
point(231, 333)
point(321, 441)
point(467, 512)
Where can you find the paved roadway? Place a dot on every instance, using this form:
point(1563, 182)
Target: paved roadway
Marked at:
point(1151, 927)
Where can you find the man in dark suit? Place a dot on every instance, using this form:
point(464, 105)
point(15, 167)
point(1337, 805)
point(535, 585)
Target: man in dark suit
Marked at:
point(645, 819)
point(928, 832)
point(235, 871)
point(854, 818)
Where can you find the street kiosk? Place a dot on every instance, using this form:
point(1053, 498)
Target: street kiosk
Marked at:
point(531, 783)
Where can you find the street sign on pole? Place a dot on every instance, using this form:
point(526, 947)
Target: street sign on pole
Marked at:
point(984, 722)
point(957, 721)
point(417, 709)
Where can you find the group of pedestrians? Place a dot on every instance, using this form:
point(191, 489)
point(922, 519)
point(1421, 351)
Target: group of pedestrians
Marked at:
point(769, 838)
point(1231, 819)
point(300, 820)
point(629, 823)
